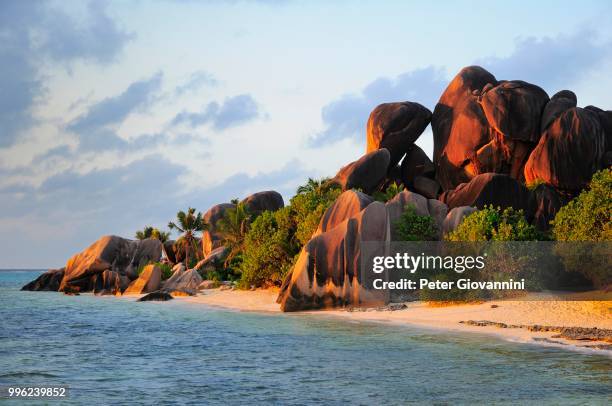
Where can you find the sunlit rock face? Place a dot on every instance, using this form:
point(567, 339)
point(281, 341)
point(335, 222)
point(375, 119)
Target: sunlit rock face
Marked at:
point(328, 270)
point(367, 173)
point(111, 253)
point(211, 238)
point(396, 126)
point(108, 283)
point(48, 281)
point(559, 103)
point(489, 189)
point(571, 149)
point(269, 200)
point(347, 205)
point(148, 281)
point(183, 282)
point(460, 127)
point(484, 125)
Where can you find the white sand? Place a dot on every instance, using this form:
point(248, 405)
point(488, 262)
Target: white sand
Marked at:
point(548, 313)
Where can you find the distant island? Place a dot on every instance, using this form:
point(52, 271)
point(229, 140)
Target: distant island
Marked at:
point(509, 163)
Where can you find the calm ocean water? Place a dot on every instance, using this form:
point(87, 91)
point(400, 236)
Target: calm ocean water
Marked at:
point(116, 351)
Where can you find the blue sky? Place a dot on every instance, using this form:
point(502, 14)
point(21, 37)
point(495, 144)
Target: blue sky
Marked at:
point(114, 115)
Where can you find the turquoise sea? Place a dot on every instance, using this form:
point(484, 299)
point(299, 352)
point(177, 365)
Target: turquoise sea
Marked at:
point(117, 351)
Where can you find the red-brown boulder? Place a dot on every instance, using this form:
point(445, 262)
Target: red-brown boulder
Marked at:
point(569, 152)
point(111, 253)
point(487, 189)
point(261, 201)
point(460, 127)
point(416, 163)
point(481, 125)
point(347, 205)
point(328, 270)
point(211, 238)
point(396, 126)
point(48, 281)
point(367, 173)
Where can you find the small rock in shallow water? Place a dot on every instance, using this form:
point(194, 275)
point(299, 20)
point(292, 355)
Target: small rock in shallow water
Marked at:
point(158, 296)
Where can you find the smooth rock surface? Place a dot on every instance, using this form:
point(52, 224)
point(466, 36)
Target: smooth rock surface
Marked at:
point(396, 126)
point(367, 173)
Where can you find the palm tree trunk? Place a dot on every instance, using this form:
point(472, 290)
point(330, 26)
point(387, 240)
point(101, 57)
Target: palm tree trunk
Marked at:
point(187, 243)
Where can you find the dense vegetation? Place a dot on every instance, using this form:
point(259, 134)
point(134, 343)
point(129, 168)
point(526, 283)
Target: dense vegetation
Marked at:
point(589, 216)
point(274, 239)
point(414, 227)
point(263, 248)
point(494, 224)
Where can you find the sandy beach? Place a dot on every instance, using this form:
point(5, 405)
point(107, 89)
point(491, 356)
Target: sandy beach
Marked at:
point(585, 314)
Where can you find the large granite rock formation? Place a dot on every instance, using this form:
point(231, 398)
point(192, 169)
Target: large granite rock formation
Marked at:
point(183, 281)
point(48, 281)
point(347, 205)
point(262, 201)
point(327, 272)
point(110, 253)
point(481, 125)
point(367, 173)
point(169, 251)
point(148, 281)
point(571, 149)
point(396, 126)
point(416, 163)
point(489, 189)
point(559, 102)
point(108, 283)
point(211, 238)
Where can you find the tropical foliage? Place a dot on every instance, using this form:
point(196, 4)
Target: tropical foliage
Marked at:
point(190, 224)
point(495, 224)
point(588, 217)
point(233, 228)
point(269, 249)
point(152, 232)
point(389, 193)
point(414, 227)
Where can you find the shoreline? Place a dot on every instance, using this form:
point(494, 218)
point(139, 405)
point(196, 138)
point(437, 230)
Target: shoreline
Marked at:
point(454, 318)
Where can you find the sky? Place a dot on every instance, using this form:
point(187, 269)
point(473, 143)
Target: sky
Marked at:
point(116, 114)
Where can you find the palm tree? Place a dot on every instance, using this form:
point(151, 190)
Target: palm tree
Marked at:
point(190, 224)
point(314, 186)
point(152, 232)
point(233, 228)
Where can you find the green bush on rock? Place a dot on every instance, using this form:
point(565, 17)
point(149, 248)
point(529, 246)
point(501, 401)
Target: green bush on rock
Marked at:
point(414, 227)
point(494, 224)
point(588, 217)
point(269, 249)
point(274, 239)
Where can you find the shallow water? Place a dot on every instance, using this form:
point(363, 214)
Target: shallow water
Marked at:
point(117, 351)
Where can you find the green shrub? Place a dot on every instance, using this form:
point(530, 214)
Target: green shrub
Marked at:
point(494, 224)
point(389, 193)
point(166, 270)
point(269, 250)
point(588, 217)
point(274, 239)
point(308, 206)
point(414, 227)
